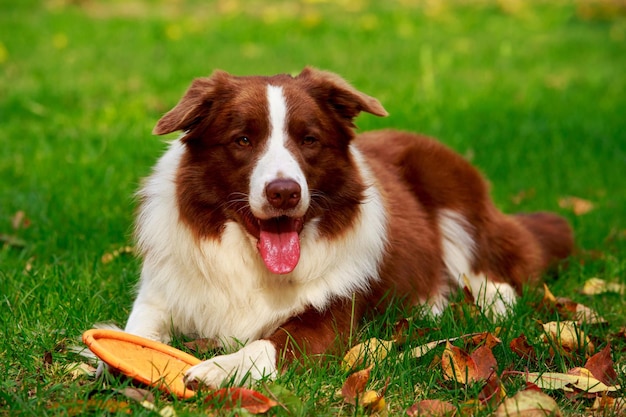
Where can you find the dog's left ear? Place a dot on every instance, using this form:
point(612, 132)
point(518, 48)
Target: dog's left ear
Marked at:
point(329, 88)
point(194, 106)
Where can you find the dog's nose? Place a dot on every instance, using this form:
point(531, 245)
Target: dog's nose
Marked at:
point(283, 193)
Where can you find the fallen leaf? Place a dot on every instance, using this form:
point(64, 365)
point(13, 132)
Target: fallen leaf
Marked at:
point(609, 406)
point(578, 205)
point(228, 398)
point(485, 339)
point(567, 337)
point(354, 385)
point(458, 365)
point(492, 392)
point(421, 350)
point(367, 353)
point(528, 403)
point(596, 286)
point(548, 297)
point(601, 366)
point(432, 408)
point(372, 400)
point(20, 221)
point(486, 364)
point(571, 310)
point(567, 382)
point(78, 369)
point(521, 348)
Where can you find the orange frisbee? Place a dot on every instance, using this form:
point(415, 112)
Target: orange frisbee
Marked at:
point(152, 363)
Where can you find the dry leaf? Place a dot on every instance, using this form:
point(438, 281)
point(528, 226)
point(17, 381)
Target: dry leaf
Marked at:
point(432, 408)
point(421, 350)
point(578, 205)
point(572, 310)
point(596, 286)
point(486, 364)
point(567, 337)
point(567, 382)
point(368, 353)
point(521, 348)
point(355, 385)
point(78, 369)
point(548, 297)
point(20, 221)
point(486, 339)
point(609, 405)
point(601, 366)
point(458, 365)
point(373, 401)
point(528, 403)
point(250, 400)
point(493, 392)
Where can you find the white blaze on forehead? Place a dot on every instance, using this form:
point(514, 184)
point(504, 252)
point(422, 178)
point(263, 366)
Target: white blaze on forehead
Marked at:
point(276, 161)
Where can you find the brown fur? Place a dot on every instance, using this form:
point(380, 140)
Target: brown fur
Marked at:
point(417, 177)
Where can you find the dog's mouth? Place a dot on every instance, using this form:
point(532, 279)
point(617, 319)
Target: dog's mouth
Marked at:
point(278, 241)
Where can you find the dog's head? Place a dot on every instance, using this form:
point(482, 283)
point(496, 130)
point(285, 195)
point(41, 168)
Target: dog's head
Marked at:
point(269, 153)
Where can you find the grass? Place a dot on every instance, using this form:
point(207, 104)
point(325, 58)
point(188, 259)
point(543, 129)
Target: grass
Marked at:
point(532, 92)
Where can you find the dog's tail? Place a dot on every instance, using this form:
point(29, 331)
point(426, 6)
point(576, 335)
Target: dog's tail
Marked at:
point(553, 233)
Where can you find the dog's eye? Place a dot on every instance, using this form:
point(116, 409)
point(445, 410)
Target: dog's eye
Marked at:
point(309, 140)
point(243, 141)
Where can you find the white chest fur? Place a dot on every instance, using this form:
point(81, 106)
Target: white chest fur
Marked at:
point(222, 289)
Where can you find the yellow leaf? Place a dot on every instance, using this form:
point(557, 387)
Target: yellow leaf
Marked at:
point(432, 408)
point(548, 297)
point(595, 286)
point(578, 205)
point(528, 403)
point(457, 365)
point(567, 382)
point(369, 352)
point(567, 337)
point(373, 400)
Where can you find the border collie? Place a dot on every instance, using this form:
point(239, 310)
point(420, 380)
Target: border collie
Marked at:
point(272, 227)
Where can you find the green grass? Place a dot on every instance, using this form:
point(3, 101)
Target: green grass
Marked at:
point(535, 95)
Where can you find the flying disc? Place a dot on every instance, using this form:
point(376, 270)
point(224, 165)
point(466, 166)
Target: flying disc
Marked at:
point(152, 363)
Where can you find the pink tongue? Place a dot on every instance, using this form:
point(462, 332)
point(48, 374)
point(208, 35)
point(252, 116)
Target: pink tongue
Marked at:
point(279, 244)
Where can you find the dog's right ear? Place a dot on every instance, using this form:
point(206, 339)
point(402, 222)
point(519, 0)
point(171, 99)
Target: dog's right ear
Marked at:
point(194, 106)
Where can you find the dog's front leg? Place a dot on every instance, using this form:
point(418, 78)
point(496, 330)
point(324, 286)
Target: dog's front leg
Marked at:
point(149, 320)
point(310, 333)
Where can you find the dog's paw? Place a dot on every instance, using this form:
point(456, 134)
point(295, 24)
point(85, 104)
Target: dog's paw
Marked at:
point(495, 299)
point(248, 365)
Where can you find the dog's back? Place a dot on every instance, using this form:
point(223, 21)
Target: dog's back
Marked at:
point(443, 211)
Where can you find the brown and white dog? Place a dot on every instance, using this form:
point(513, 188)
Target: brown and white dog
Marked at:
point(270, 225)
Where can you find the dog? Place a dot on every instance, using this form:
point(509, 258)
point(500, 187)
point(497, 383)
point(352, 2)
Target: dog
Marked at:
point(271, 226)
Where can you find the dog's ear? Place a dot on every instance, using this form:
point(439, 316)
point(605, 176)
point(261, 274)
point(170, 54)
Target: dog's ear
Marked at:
point(195, 104)
point(330, 89)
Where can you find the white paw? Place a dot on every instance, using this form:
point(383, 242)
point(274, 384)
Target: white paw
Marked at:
point(494, 298)
point(248, 365)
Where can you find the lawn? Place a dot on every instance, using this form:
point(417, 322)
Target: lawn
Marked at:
point(533, 93)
